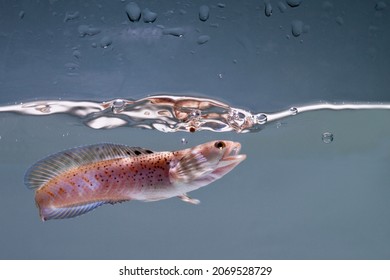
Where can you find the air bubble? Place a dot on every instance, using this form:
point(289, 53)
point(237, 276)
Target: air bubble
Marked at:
point(261, 118)
point(293, 111)
point(184, 141)
point(118, 106)
point(327, 137)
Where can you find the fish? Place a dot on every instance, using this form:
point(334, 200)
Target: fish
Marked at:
point(78, 180)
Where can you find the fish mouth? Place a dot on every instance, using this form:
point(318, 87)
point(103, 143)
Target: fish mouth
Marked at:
point(231, 156)
point(230, 159)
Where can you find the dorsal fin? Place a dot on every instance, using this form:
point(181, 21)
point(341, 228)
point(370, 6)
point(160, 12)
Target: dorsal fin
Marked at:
point(51, 166)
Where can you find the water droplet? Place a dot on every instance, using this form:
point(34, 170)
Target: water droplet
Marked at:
point(261, 118)
point(380, 6)
point(294, 3)
point(221, 5)
point(339, 20)
point(184, 141)
point(105, 42)
point(327, 137)
point(133, 11)
point(86, 30)
point(148, 15)
point(282, 7)
point(327, 6)
point(268, 9)
point(204, 12)
point(21, 14)
point(118, 106)
point(195, 114)
point(203, 39)
point(220, 75)
point(175, 31)
point(71, 16)
point(70, 66)
point(293, 111)
point(296, 27)
point(236, 119)
point(76, 54)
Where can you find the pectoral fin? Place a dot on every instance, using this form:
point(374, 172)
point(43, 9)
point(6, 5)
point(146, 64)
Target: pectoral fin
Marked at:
point(186, 198)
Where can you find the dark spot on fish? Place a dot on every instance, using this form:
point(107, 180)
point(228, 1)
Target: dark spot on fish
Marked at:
point(192, 129)
point(137, 152)
point(128, 153)
point(149, 151)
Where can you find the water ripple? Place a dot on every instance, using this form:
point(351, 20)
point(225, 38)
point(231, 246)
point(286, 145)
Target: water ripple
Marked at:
point(168, 113)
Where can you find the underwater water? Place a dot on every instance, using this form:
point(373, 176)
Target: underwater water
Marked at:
point(303, 88)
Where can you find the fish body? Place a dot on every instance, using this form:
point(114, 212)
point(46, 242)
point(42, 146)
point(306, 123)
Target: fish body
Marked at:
point(78, 180)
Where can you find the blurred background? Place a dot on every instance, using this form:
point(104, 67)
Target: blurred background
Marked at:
point(297, 196)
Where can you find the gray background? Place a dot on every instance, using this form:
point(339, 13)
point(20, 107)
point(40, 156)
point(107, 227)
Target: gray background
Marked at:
point(294, 197)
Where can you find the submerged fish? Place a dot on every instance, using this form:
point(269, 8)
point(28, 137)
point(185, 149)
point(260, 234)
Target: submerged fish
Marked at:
point(78, 180)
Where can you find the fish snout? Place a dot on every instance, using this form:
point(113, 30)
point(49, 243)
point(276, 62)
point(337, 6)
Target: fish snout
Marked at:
point(231, 153)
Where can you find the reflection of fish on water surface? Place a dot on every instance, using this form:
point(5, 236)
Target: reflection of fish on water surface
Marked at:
point(78, 180)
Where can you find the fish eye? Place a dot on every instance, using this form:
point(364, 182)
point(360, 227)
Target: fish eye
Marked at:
point(219, 145)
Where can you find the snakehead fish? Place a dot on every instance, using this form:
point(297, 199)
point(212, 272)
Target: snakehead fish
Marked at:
point(78, 180)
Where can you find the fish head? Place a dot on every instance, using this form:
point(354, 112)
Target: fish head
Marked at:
point(205, 163)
